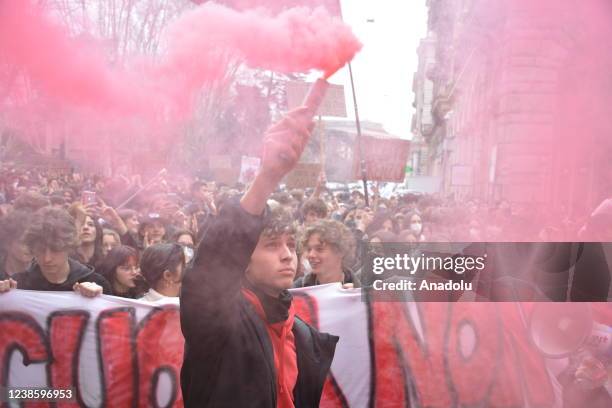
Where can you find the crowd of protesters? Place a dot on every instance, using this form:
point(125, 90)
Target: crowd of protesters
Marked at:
point(135, 240)
point(118, 236)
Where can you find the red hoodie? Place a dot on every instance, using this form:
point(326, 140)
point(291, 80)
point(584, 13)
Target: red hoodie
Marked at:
point(285, 358)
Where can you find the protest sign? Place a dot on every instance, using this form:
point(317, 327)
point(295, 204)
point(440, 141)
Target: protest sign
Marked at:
point(385, 159)
point(333, 104)
point(304, 175)
point(222, 170)
point(248, 169)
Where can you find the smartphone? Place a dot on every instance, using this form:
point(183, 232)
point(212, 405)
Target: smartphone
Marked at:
point(88, 197)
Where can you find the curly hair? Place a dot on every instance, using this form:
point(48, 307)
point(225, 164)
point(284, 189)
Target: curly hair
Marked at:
point(336, 235)
point(316, 205)
point(51, 228)
point(12, 227)
point(279, 221)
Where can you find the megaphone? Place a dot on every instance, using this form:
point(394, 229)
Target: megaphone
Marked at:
point(561, 329)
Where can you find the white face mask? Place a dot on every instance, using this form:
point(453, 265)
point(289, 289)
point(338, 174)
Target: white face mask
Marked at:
point(416, 228)
point(188, 252)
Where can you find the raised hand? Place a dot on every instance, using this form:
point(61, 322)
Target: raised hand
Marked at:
point(111, 215)
point(284, 143)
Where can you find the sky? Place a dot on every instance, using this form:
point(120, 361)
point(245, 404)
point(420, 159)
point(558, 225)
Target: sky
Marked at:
point(384, 69)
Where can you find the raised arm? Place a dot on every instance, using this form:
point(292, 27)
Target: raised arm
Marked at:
point(211, 289)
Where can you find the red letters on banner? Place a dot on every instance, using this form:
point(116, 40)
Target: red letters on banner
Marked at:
point(445, 369)
point(474, 346)
point(18, 331)
point(66, 331)
point(401, 359)
point(463, 355)
point(160, 348)
point(117, 357)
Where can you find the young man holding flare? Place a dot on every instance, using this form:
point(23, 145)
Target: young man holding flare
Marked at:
point(244, 346)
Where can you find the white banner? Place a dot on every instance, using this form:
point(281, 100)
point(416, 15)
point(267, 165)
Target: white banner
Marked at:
point(118, 352)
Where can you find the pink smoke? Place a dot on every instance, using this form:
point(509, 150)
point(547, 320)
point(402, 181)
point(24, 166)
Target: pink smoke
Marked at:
point(78, 73)
point(68, 71)
point(296, 40)
point(534, 87)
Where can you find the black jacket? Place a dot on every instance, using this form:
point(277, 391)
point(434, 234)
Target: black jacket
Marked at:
point(228, 358)
point(33, 279)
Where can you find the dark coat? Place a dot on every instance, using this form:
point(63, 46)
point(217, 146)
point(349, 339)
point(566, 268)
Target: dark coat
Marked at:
point(33, 279)
point(228, 359)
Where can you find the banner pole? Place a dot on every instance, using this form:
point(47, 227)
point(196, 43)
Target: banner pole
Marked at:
point(362, 166)
point(322, 157)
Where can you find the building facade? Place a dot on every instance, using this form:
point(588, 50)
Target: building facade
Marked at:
point(512, 102)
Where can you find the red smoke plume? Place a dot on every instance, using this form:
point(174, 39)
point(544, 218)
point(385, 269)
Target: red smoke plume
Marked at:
point(78, 73)
point(64, 68)
point(296, 40)
point(532, 116)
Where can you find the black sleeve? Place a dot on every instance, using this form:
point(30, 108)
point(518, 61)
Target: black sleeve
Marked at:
point(22, 280)
point(210, 293)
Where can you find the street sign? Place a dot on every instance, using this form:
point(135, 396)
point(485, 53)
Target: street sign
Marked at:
point(385, 159)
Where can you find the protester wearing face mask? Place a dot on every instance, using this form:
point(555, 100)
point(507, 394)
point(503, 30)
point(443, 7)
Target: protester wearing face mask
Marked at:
point(415, 225)
point(162, 266)
point(187, 240)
